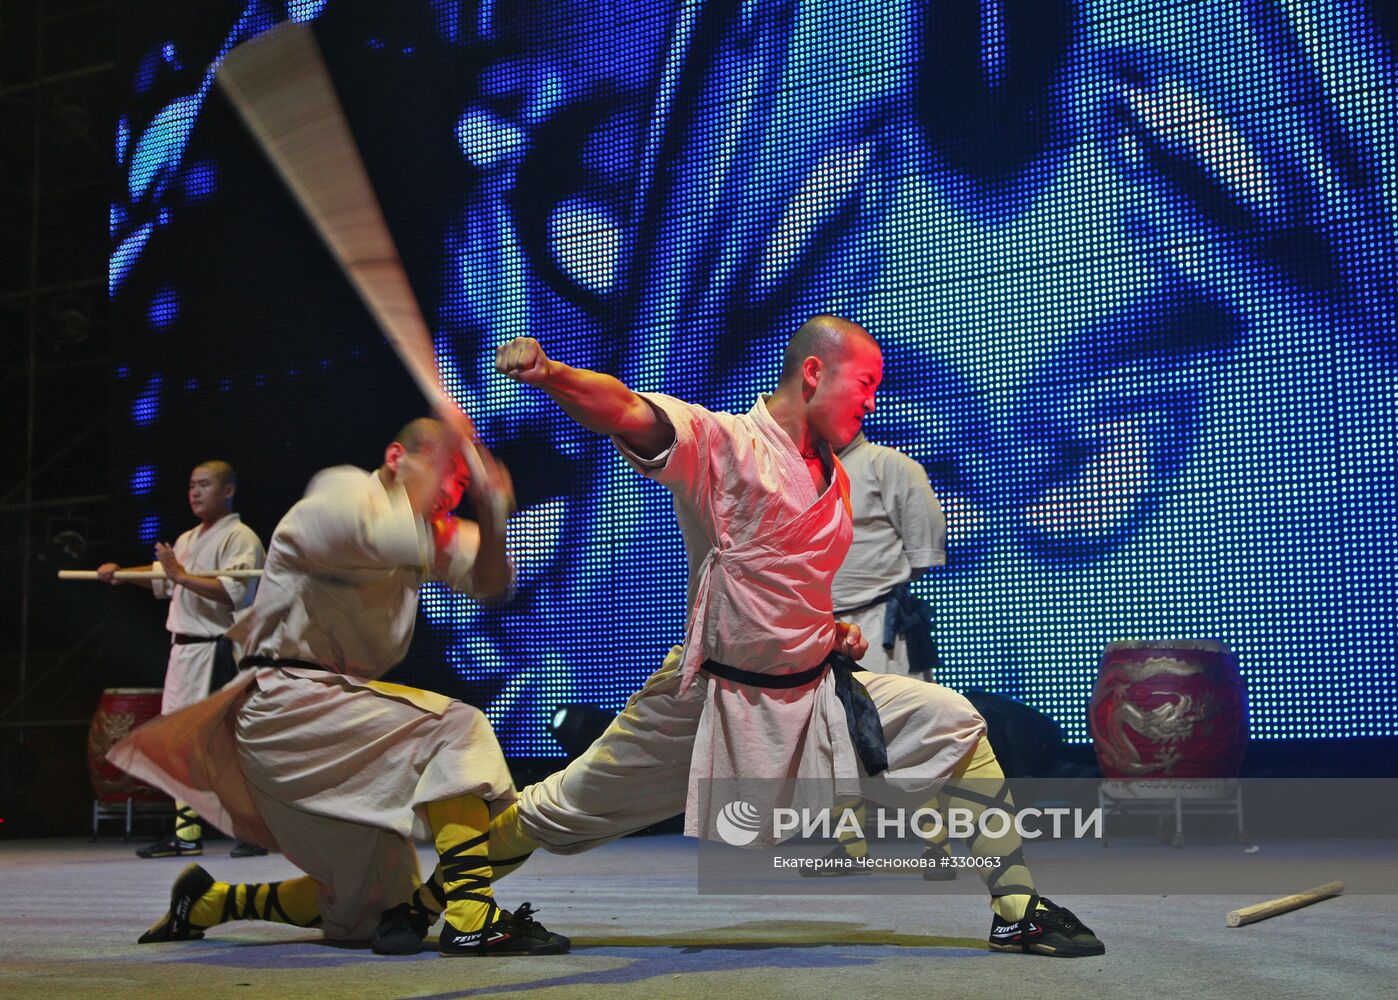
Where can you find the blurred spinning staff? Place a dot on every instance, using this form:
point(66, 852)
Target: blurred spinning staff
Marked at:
point(202, 606)
point(899, 534)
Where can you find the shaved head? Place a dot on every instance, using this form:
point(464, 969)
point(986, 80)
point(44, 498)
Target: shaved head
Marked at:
point(222, 471)
point(824, 336)
point(420, 434)
point(423, 458)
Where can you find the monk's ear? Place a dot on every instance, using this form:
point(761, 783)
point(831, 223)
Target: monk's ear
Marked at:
point(811, 370)
point(392, 455)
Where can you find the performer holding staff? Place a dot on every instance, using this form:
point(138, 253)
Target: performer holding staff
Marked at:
point(309, 753)
point(202, 607)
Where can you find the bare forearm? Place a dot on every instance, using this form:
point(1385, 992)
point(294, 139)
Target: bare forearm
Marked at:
point(490, 573)
point(598, 401)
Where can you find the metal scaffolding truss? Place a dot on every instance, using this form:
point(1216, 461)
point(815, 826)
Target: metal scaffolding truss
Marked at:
point(57, 73)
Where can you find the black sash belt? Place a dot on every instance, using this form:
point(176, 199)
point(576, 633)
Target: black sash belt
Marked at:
point(273, 661)
point(861, 715)
point(224, 669)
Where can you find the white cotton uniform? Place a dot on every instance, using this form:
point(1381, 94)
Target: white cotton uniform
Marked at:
point(899, 531)
point(226, 544)
point(763, 547)
point(330, 766)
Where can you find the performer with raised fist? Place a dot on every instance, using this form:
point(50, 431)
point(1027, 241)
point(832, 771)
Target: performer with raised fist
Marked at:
point(764, 686)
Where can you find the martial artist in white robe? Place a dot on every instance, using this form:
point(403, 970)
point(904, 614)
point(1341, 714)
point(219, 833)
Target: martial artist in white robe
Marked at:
point(764, 508)
point(763, 547)
point(899, 533)
point(226, 544)
point(321, 761)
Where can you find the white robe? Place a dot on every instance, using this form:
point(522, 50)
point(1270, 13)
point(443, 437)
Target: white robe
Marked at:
point(899, 530)
point(226, 544)
point(330, 766)
point(763, 547)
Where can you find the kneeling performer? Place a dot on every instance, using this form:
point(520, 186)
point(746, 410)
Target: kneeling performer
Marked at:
point(308, 754)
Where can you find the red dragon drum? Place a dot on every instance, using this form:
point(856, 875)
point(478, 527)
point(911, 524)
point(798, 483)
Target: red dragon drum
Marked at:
point(119, 712)
point(1169, 710)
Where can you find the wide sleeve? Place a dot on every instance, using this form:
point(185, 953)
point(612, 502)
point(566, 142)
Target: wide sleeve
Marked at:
point(346, 521)
point(915, 511)
point(241, 549)
point(160, 587)
point(684, 467)
point(461, 558)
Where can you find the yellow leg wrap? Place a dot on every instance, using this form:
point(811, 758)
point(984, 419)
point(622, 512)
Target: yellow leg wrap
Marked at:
point(460, 830)
point(187, 825)
point(209, 909)
point(510, 846)
point(977, 785)
point(295, 901)
point(431, 896)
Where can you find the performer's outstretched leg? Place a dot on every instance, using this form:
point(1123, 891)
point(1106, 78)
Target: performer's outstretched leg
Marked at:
point(510, 845)
point(198, 902)
point(932, 731)
point(1024, 920)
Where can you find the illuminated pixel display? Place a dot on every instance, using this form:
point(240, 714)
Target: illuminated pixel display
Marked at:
point(1132, 265)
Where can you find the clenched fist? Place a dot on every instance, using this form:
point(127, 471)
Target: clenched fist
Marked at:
point(849, 641)
point(524, 360)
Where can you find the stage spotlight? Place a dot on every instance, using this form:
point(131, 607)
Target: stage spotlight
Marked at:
point(575, 727)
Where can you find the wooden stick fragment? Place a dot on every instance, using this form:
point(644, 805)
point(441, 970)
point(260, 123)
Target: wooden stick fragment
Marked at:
point(154, 574)
point(1272, 907)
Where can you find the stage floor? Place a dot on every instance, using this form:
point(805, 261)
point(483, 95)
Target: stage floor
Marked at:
point(70, 912)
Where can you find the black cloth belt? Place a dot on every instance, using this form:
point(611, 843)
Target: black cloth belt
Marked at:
point(861, 714)
point(273, 661)
point(224, 668)
point(910, 616)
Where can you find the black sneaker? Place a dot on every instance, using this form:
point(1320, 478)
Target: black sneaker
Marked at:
point(835, 864)
point(401, 930)
point(175, 926)
point(242, 849)
point(172, 847)
point(1045, 929)
point(515, 933)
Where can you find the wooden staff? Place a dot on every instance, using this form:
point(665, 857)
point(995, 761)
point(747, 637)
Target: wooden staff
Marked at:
point(279, 84)
point(154, 574)
point(1272, 907)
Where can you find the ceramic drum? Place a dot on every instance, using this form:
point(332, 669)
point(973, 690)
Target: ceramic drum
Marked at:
point(119, 711)
point(1169, 710)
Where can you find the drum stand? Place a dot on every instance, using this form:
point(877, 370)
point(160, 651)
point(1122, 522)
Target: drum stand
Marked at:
point(130, 810)
point(1153, 797)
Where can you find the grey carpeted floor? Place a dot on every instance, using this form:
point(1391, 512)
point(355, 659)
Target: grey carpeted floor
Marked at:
point(70, 912)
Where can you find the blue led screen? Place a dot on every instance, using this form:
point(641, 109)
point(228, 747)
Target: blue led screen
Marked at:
point(1131, 263)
